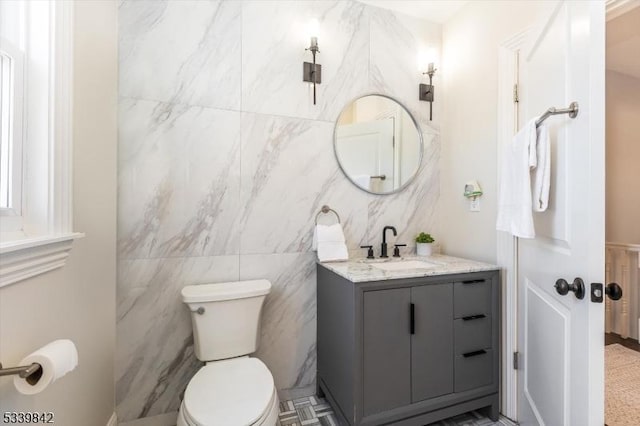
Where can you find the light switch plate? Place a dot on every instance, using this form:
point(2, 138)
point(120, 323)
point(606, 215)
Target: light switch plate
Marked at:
point(474, 204)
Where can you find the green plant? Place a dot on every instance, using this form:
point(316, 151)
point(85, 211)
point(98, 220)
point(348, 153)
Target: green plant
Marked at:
point(424, 238)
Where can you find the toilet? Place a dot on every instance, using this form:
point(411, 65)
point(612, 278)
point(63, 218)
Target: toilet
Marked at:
point(231, 389)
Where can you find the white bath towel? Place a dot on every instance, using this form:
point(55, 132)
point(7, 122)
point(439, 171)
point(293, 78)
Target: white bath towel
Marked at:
point(515, 214)
point(330, 243)
point(363, 181)
point(542, 173)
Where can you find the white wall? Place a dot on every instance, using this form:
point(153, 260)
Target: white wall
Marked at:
point(471, 40)
point(77, 301)
point(623, 158)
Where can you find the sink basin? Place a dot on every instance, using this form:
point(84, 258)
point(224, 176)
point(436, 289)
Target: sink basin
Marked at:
point(404, 264)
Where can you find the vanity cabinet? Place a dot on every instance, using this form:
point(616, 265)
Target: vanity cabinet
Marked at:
point(408, 351)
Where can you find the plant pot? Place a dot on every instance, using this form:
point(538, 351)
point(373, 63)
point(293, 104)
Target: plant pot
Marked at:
point(424, 249)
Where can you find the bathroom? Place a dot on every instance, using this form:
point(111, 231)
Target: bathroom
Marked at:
point(201, 156)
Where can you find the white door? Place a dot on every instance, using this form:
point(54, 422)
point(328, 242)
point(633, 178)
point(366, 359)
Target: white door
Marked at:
point(367, 149)
point(560, 338)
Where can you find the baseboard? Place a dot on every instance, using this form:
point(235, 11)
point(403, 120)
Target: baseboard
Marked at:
point(287, 394)
point(113, 421)
point(167, 419)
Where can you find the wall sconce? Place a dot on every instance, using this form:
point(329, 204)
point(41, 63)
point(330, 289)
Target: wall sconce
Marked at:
point(312, 72)
point(426, 90)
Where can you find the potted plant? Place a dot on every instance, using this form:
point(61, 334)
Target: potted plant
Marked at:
point(424, 244)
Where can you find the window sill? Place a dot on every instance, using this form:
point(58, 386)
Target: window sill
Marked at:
point(26, 258)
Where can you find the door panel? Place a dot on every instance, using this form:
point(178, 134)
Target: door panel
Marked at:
point(561, 337)
point(386, 350)
point(546, 372)
point(432, 343)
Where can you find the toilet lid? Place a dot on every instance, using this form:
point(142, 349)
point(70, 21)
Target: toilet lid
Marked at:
point(229, 392)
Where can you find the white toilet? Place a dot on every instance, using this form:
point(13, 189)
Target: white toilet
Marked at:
point(232, 388)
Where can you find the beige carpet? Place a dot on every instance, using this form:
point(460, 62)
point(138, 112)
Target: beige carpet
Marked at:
point(622, 390)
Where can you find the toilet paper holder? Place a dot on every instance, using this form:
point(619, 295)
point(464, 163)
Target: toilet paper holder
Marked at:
point(31, 373)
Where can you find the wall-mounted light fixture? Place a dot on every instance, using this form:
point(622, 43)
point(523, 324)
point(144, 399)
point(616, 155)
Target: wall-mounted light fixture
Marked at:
point(312, 72)
point(426, 90)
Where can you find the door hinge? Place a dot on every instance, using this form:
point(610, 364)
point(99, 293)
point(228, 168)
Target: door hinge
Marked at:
point(515, 94)
point(515, 360)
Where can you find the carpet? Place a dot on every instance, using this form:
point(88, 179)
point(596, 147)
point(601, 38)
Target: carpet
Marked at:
point(622, 386)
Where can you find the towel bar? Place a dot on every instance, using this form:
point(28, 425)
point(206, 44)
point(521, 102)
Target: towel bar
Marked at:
point(326, 209)
point(572, 111)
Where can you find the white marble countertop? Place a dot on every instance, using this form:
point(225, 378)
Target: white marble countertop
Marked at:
point(362, 270)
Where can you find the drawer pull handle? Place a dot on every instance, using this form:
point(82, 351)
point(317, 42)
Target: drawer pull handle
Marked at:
point(475, 353)
point(412, 318)
point(473, 281)
point(473, 317)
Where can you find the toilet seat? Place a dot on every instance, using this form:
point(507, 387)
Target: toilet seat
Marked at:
point(237, 391)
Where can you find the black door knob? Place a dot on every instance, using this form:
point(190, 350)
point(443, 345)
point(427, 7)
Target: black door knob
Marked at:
point(614, 291)
point(577, 287)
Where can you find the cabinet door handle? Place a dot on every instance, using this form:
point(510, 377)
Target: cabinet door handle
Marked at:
point(473, 317)
point(474, 353)
point(412, 318)
point(473, 281)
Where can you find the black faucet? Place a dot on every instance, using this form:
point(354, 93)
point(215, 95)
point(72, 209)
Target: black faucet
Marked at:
point(383, 248)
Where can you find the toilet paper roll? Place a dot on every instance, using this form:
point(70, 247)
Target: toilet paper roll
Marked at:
point(57, 359)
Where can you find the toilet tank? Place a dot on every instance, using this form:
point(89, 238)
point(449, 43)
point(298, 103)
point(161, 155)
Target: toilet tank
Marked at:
point(226, 317)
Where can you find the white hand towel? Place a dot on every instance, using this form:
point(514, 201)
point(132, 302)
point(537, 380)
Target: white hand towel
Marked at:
point(363, 181)
point(330, 243)
point(332, 252)
point(515, 213)
point(330, 233)
point(542, 175)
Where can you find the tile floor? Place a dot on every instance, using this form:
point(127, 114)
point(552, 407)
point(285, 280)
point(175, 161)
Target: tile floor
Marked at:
point(316, 411)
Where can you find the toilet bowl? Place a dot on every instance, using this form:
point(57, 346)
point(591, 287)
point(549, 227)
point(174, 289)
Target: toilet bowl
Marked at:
point(232, 388)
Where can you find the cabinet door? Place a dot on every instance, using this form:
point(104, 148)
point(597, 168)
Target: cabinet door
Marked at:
point(386, 350)
point(432, 341)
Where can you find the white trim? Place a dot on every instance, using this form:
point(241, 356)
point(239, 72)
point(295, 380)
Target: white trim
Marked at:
point(628, 247)
point(113, 420)
point(617, 8)
point(506, 243)
point(47, 227)
point(61, 136)
point(20, 260)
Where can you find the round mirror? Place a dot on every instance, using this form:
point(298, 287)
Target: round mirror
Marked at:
point(378, 144)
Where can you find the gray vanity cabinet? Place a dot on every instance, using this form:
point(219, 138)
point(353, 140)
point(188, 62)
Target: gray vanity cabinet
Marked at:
point(408, 351)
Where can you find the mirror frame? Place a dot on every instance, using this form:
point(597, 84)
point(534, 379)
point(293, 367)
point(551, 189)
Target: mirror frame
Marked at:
point(413, 120)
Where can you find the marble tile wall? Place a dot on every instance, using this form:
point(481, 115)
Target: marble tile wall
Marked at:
point(224, 162)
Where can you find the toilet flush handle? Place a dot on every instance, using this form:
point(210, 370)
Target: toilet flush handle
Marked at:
point(200, 310)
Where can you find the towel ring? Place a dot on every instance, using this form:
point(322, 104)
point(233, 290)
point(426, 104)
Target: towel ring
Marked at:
point(326, 209)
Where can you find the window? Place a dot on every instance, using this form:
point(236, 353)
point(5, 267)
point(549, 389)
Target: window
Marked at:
point(11, 130)
point(35, 137)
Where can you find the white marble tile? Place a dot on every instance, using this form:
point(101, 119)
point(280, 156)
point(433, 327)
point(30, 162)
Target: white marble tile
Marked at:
point(288, 172)
point(154, 351)
point(181, 51)
point(396, 43)
point(179, 178)
point(288, 335)
point(274, 38)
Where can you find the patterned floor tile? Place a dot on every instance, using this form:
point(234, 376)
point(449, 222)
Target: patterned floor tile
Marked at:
point(315, 411)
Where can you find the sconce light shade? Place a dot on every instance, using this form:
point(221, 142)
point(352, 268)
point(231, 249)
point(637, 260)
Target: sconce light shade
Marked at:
point(312, 72)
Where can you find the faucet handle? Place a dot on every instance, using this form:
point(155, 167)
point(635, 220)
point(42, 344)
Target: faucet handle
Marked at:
point(369, 252)
point(396, 249)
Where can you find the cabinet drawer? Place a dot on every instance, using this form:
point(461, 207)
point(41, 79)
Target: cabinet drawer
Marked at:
point(472, 297)
point(472, 334)
point(473, 370)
